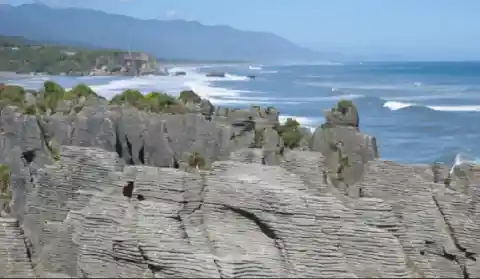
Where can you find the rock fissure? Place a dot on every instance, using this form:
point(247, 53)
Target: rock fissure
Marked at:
point(264, 228)
point(460, 260)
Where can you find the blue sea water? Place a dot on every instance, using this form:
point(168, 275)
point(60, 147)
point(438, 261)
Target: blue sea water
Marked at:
point(419, 112)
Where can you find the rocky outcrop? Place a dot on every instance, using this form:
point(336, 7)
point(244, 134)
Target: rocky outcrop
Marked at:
point(215, 74)
point(118, 203)
point(347, 151)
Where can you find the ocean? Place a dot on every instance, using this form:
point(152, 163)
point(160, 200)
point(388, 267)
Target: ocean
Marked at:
point(419, 112)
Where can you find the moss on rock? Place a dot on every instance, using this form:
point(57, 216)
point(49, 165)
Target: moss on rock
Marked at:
point(195, 160)
point(5, 190)
point(343, 106)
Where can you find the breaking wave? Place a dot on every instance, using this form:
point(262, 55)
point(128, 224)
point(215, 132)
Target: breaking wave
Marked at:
point(255, 68)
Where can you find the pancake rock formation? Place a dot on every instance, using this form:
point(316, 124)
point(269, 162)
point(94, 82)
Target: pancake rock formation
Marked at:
point(112, 191)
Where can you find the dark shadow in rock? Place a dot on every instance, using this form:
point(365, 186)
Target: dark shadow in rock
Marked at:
point(118, 143)
point(176, 165)
point(360, 193)
point(266, 230)
point(140, 197)
point(472, 256)
point(29, 155)
point(141, 155)
point(129, 149)
point(128, 189)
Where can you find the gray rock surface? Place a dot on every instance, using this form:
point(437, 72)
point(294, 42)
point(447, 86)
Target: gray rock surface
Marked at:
point(114, 205)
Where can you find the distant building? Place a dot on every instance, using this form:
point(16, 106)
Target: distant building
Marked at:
point(136, 56)
point(138, 62)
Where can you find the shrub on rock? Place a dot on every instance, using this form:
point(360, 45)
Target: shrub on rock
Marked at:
point(12, 95)
point(343, 106)
point(157, 102)
point(51, 94)
point(291, 133)
point(80, 90)
point(131, 97)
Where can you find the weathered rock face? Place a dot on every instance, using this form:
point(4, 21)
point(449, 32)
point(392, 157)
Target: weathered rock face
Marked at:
point(346, 150)
point(87, 218)
point(255, 213)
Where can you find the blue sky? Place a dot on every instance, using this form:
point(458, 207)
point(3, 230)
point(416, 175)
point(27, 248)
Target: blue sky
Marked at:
point(412, 28)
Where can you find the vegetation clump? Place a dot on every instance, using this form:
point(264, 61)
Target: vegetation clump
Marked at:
point(290, 133)
point(131, 97)
point(24, 56)
point(157, 102)
point(12, 95)
point(343, 106)
point(195, 160)
point(80, 90)
point(5, 190)
point(50, 95)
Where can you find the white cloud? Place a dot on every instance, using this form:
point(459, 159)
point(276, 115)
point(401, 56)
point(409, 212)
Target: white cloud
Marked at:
point(171, 13)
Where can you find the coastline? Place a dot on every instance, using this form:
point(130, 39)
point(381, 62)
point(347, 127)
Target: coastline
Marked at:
point(378, 119)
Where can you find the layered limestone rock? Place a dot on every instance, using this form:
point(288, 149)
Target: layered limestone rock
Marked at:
point(87, 218)
point(103, 193)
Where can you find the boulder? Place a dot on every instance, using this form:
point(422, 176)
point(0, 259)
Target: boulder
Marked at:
point(215, 74)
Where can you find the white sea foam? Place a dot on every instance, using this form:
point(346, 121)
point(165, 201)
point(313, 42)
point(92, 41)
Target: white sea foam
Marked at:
point(300, 99)
point(307, 122)
point(193, 80)
point(268, 71)
point(392, 105)
point(255, 68)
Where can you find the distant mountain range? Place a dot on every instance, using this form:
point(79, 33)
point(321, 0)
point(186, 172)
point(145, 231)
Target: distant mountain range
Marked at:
point(167, 39)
